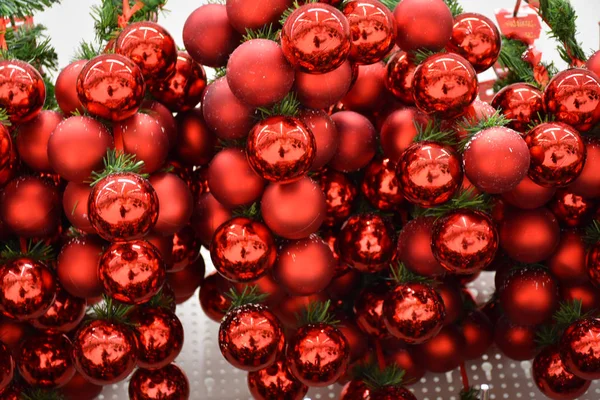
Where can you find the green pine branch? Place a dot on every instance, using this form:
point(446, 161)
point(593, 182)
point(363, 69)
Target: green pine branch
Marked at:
point(433, 132)
point(317, 313)
point(24, 8)
point(41, 394)
point(249, 295)
point(510, 57)
point(111, 310)
point(376, 378)
point(454, 7)
point(37, 251)
point(32, 45)
point(252, 211)
point(50, 103)
point(220, 72)
point(160, 300)
point(266, 32)
point(560, 16)
point(567, 313)
point(4, 118)
point(464, 199)
point(495, 120)
point(390, 4)
point(592, 233)
point(400, 274)
point(288, 107)
point(86, 51)
point(117, 162)
point(420, 55)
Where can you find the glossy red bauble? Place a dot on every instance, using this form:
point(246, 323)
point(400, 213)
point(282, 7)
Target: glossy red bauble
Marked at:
point(185, 249)
point(357, 141)
point(399, 130)
point(443, 352)
point(567, 263)
point(275, 382)
point(356, 389)
point(320, 91)
point(63, 316)
point(175, 202)
point(423, 24)
point(77, 267)
point(593, 264)
point(554, 379)
point(168, 383)
point(244, 15)
point(326, 136)
point(22, 90)
point(528, 195)
point(78, 388)
point(195, 141)
point(399, 74)
point(8, 156)
point(588, 182)
point(521, 103)
point(7, 367)
point(477, 39)
point(572, 210)
point(414, 248)
point(392, 393)
point(32, 140)
point(368, 310)
point(45, 361)
point(340, 193)
point(381, 185)
point(580, 348)
point(593, 63)
point(368, 92)
point(517, 342)
point(66, 88)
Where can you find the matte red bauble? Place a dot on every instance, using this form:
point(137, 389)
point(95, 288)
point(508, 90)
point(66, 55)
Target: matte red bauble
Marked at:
point(195, 141)
point(159, 336)
point(7, 367)
point(175, 202)
point(22, 90)
point(45, 361)
point(66, 88)
point(183, 90)
point(111, 86)
point(399, 74)
point(478, 331)
point(521, 103)
point(78, 388)
point(64, 315)
point(326, 135)
point(517, 342)
point(593, 63)
point(123, 206)
point(30, 207)
point(185, 249)
point(340, 194)
point(8, 156)
point(357, 143)
point(368, 92)
point(573, 97)
point(368, 310)
point(399, 130)
point(251, 337)
point(414, 248)
point(572, 210)
point(104, 352)
point(320, 91)
point(258, 73)
point(588, 182)
point(132, 272)
point(567, 263)
point(372, 30)
point(443, 352)
point(213, 298)
point(243, 250)
point(580, 348)
point(207, 216)
point(316, 38)
point(477, 39)
point(276, 382)
point(381, 185)
point(528, 195)
point(77, 267)
point(430, 173)
point(366, 242)
point(305, 266)
point(208, 36)
point(168, 383)
point(32, 140)
point(294, 210)
point(318, 355)
point(585, 292)
point(151, 47)
point(244, 15)
point(496, 160)
point(404, 357)
point(77, 146)
point(553, 378)
point(185, 282)
point(423, 24)
point(75, 206)
point(452, 297)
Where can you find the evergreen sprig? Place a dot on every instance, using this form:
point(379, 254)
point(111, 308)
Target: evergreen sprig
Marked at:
point(266, 32)
point(160, 300)
point(592, 233)
point(511, 57)
point(317, 313)
point(288, 107)
point(471, 127)
point(420, 55)
point(24, 8)
point(390, 4)
point(471, 393)
point(252, 211)
point(32, 45)
point(38, 251)
point(562, 20)
point(434, 132)
point(464, 199)
point(118, 162)
point(567, 313)
point(50, 103)
point(249, 295)
point(41, 394)
point(376, 378)
point(401, 274)
point(220, 72)
point(454, 7)
point(86, 51)
point(547, 335)
point(111, 310)
point(4, 119)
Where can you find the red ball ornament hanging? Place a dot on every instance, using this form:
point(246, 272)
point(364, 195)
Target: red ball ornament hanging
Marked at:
point(572, 210)
point(517, 342)
point(45, 361)
point(522, 103)
point(321, 91)
point(528, 195)
point(195, 141)
point(357, 143)
point(185, 249)
point(477, 39)
point(399, 74)
point(168, 383)
point(32, 140)
point(164, 245)
point(213, 298)
point(340, 194)
point(244, 15)
point(567, 263)
point(175, 202)
point(22, 90)
point(585, 292)
point(381, 185)
point(165, 119)
point(78, 388)
point(368, 92)
point(66, 88)
point(414, 248)
point(207, 216)
point(580, 348)
point(368, 310)
point(326, 135)
point(478, 331)
point(452, 297)
point(399, 130)
point(7, 367)
point(63, 316)
point(443, 352)
point(77, 267)
point(423, 24)
point(276, 382)
point(553, 378)
point(588, 182)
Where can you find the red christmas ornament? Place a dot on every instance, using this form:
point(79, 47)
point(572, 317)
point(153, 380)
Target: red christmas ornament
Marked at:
point(340, 194)
point(414, 248)
point(343, 286)
point(452, 297)
point(477, 39)
point(357, 340)
point(184, 89)
point(399, 74)
point(573, 97)
point(207, 216)
point(251, 337)
point(357, 143)
point(405, 358)
point(479, 334)
point(570, 209)
point(430, 173)
point(331, 238)
point(195, 142)
point(78, 388)
point(528, 195)
point(584, 292)
point(294, 210)
point(521, 103)
point(517, 342)
point(588, 182)
point(356, 389)
point(443, 352)
point(368, 310)
point(111, 86)
point(168, 383)
point(289, 307)
point(8, 156)
point(245, 15)
point(399, 130)
point(13, 332)
point(476, 113)
point(372, 30)
point(423, 24)
point(185, 282)
point(321, 91)
point(275, 382)
point(366, 242)
point(77, 267)
point(444, 84)
point(567, 263)
point(381, 185)
point(22, 90)
point(213, 299)
point(184, 250)
point(553, 378)
point(32, 140)
point(123, 206)
point(64, 315)
point(151, 47)
point(7, 367)
point(593, 63)
point(316, 38)
point(326, 135)
point(368, 93)
point(45, 361)
point(580, 348)
point(175, 202)
point(66, 88)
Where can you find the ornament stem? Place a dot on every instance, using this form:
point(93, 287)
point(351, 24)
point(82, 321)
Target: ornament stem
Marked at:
point(379, 352)
point(517, 6)
point(464, 376)
point(3, 44)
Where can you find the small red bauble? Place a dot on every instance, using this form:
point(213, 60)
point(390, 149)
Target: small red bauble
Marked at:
point(195, 141)
point(244, 15)
point(521, 103)
point(357, 340)
point(66, 88)
point(372, 30)
point(276, 382)
point(340, 194)
point(243, 250)
point(573, 97)
point(553, 378)
point(251, 337)
point(45, 361)
point(580, 348)
point(570, 209)
point(381, 185)
point(528, 195)
point(477, 39)
point(517, 342)
point(185, 249)
point(567, 263)
point(77, 267)
point(168, 383)
point(78, 388)
point(588, 182)
point(151, 47)
point(207, 216)
point(123, 206)
point(399, 74)
point(423, 24)
point(175, 202)
point(357, 143)
point(368, 310)
point(213, 298)
point(430, 173)
point(443, 352)
point(7, 367)
point(316, 38)
point(586, 292)
point(368, 92)
point(414, 248)
point(320, 91)
point(22, 90)
point(64, 315)
point(478, 331)
point(326, 135)
point(318, 355)
point(399, 130)
point(32, 140)
point(404, 357)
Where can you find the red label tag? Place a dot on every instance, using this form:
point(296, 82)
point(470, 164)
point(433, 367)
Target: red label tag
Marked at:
point(526, 26)
point(20, 22)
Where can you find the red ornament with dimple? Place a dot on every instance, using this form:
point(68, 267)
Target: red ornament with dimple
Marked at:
point(64, 315)
point(45, 361)
point(445, 84)
point(381, 185)
point(477, 39)
point(123, 206)
point(340, 194)
point(580, 348)
point(368, 310)
point(430, 173)
point(554, 379)
point(111, 86)
point(522, 103)
point(22, 90)
point(276, 382)
point(399, 74)
point(570, 209)
point(168, 383)
point(316, 38)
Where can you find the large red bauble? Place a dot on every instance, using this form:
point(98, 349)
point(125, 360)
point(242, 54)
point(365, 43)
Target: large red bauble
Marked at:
point(580, 348)
point(207, 216)
point(175, 202)
point(258, 73)
point(208, 37)
point(77, 267)
point(399, 130)
point(294, 210)
point(183, 90)
point(528, 195)
point(529, 236)
point(423, 24)
point(7, 367)
point(151, 47)
point(414, 248)
point(552, 377)
point(229, 117)
point(316, 38)
point(8, 156)
point(185, 282)
point(570, 209)
point(326, 135)
point(167, 383)
point(496, 160)
point(304, 266)
point(357, 143)
point(195, 142)
point(372, 30)
point(276, 382)
point(368, 93)
point(588, 182)
point(381, 185)
point(340, 194)
point(567, 263)
point(521, 103)
point(368, 310)
point(22, 90)
point(255, 14)
point(444, 84)
point(111, 86)
point(443, 352)
point(478, 331)
point(213, 298)
point(517, 342)
point(64, 315)
point(77, 146)
point(586, 292)
point(573, 97)
point(529, 296)
point(477, 39)
point(66, 88)
point(32, 140)
point(318, 355)
point(123, 206)
point(243, 250)
point(430, 173)
point(185, 249)
point(251, 337)
point(104, 352)
point(78, 388)
point(320, 91)
point(45, 361)
point(30, 207)
point(399, 73)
